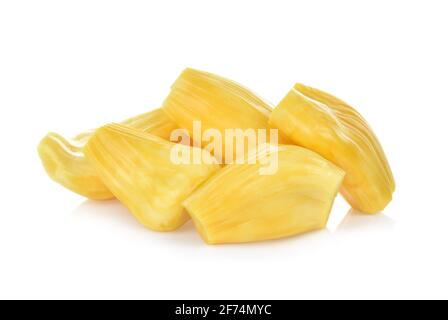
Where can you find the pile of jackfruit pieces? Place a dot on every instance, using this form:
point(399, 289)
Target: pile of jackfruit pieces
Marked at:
point(325, 147)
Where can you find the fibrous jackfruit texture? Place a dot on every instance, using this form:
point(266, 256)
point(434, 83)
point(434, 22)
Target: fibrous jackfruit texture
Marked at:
point(65, 163)
point(330, 127)
point(138, 169)
point(239, 205)
point(218, 104)
point(265, 192)
point(64, 160)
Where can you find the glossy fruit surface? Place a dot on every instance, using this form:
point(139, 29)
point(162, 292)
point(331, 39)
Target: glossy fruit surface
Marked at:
point(65, 163)
point(218, 104)
point(138, 169)
point(238, 204)
point(325, 124)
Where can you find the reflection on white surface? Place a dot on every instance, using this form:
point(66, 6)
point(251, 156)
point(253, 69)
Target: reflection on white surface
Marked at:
point(117, 216)
point(112, 210)
point(355, 221)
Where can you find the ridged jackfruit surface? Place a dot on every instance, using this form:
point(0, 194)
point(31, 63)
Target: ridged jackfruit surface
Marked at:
point(218, 103)
point(327, 125)
point(137, 168)
point(239, 205)
point(65, 163)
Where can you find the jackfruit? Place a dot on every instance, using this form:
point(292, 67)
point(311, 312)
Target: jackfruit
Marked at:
point(139, 170)
point(239, 204)
point(65, 163)
point(329, 126)
point(218, 104)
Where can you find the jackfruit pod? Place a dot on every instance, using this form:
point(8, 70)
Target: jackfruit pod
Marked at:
point(65, 163)
point(239, 204)
point(329, 126)
point(139, 169)
point(218, 104)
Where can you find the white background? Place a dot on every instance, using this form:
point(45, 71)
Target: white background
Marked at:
point(67, 66)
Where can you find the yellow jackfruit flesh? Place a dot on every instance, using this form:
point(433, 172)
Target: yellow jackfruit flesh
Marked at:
point(327, 125)
point(65, 163)
point(238, 204)
point(219, 104)
point(138, 169)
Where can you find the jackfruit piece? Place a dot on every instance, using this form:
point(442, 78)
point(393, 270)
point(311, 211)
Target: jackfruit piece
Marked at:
point(139, 170)
point(65, 163)
point(218, 104)
point(238, 204)
point(329, 126)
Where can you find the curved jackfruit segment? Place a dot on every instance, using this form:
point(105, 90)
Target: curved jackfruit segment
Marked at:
point(238, 204)
point(218, 104)
point(327, 125)
point(65, 163)
point(141, 171)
